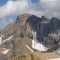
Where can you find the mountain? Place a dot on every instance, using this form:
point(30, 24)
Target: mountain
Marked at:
point(29, 33)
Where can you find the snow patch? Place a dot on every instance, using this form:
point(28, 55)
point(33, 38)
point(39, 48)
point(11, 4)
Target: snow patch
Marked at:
point(29, 48)
point(6, 51)
point(36, 44)
point(55, 59)
point(58, 52)
point(4, 48)
point(5, 39)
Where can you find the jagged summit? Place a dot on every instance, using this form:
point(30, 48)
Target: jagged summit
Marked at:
point(43, 17)
point(25, 17)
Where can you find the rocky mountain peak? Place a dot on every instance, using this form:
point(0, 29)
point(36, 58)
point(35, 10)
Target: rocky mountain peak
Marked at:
point(24, 17)
point(43, 17)
point(16, 36)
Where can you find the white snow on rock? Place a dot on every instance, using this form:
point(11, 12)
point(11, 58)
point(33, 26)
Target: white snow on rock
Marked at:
point(4, 48)
point(58, 52)
point(55, 59)
point(36, 44)
point(5, 51)
point(29, 48)
point(5, 39)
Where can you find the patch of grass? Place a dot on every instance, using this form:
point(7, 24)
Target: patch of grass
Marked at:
point(36, 56)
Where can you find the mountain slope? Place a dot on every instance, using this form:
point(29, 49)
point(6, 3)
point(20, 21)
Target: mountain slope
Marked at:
point(17, 36)
point(36, 56)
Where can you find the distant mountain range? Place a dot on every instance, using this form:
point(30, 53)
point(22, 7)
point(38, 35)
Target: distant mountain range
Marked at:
point(17, 38)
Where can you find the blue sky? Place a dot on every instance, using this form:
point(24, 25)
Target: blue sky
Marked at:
point(34, 1)
point(2, 2)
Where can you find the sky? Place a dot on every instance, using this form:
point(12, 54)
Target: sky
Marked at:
point(10, 9)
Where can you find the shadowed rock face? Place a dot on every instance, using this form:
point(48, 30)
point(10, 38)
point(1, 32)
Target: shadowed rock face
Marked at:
point(22, 29)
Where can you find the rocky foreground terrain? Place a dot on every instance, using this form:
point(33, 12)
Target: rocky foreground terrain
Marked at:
point(16, 38)
point(37, 56)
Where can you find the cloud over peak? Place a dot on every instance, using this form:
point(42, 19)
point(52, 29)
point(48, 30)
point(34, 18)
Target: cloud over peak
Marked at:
point(13, 7)
point(48, 8)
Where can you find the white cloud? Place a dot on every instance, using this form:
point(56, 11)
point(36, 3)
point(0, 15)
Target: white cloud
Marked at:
point(13, 7)
point(46, 0)
point(51, 8)
point(48, 8)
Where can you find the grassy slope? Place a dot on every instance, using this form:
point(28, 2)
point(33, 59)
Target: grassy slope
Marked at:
point(36, 56)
